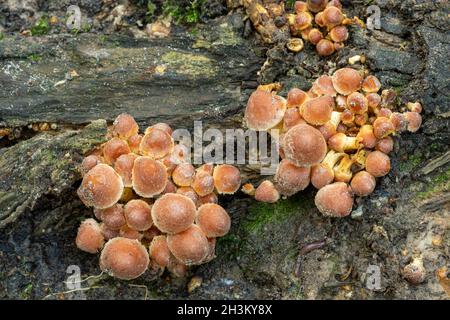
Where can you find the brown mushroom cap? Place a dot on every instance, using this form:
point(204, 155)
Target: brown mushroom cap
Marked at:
point(101, 187)
point(90, 237)
point(334, 200)
point(183, 175)
point(314, 36)
point(134, 142)
point(159, 251)
point(151, 233)
point(266, 192)
point(114, 148)
point(213, 220)
point(124, 258)
point(190, 193)
point(203, 183)
point(291, 118)
point(385, 145)
point(290, 178)
point(156, 144)
point(209, 198)
point(227, 179)
point(357, 103)
point(363, 183)
point(170, 187)
point(317, 111)
point(160, 126)
point(300, 6)
point(368, 137)
point(302, 21)
point(189, 246)
point(149, 177)
point(264, 110)
point(339, 34)
point(371, 84)
point(373, 99)
point(173, 213)
point(382, 127)
point(138, 214)
point(321, 175)
point(332, 16)
point(108, 233)
point(414, 120)
point(304, 145)
point(89, 162)
point(296, 97)
point(127, 232)
point(316, 5)
point(414, 107)
point(112, 217)
point(378, 164)
point(399, 121)
point(125, 126)
point(325, 47)
point(324, 86)
point(346, 81)
point(124, 167)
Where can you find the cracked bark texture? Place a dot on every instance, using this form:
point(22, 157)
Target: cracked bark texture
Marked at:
point(208, 75)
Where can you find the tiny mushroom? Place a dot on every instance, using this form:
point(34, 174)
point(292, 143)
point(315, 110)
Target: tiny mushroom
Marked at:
point(89, 162)
point(183, 175)
point(159, 251)
point(334, 200)
point(149, 177)
point(156, 143)
point(266, 192)
point(317, 111)
point(189, 246)
point(173, 213)
point(112, 217)
point(346, 81)
point(124, 167)
point(363, 183)
point(290, 178)
point(125, 126)
point(378, 164)
point(124, 258)
point(227, 179)
point(213, 220)
point(90, 237)
point(138, 215)
point(264, 110)
point(114, 148)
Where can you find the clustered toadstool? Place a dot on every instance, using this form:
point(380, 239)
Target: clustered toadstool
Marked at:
point(153, 208)
point(336, 136)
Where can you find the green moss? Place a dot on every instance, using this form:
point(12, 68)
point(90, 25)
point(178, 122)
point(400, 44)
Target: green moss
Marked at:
point(183, 13)
point(439, 183)
point(413, 161)
point(26, 292)
point(262, 214)
point(34, 57)
point(290, 4)
point(2, 36)
point(41, 27)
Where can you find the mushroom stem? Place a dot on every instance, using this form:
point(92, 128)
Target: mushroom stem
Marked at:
point(341, 143)
point(342, 172)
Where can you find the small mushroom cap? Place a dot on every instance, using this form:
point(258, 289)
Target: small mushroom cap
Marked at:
point(325, 48)
point(302, 21)
point(371, 84)
point(159, 251)
point(156, 144)
point(373, 99)
point(183, 175)
point(176, 268)
point(357, 103)
point(295, 44)
point(296, 97)
point(203, 183)
point(334, 200)
point(151, 233)
point(170, 187)
point(314, 36)
point(90, 237)
point(125, 126)
point(227, 179)
point(138, 214)
point(317, 111)
point(124, 167)
point(332, 16)
point(266, 192)
point(112, 217)
point(399, 121)
point(149, 177)
point(161, 126)
point(316, 5)
point(300, 6)
point(324, 86)
point(363, 183)
point(213, 220)
point(190, 193)
point(304, 145)
point(414, 120)
point(339, 34)
point(291, 118)
point(378, 164)
point(101, 187)
point(89, 162)
point(108, 233)
point(264, 110)
point(414, 107)
point(209, 198)
point(290, 178)
point(127, 232)
point(346, 81)
point(124, 258)
point(415, 272)
point(134, 142)
point(321, 175)
point(368, 137)
point(173, 213)
point(382, 127)
point(189, 246)
point(318, 19)
point(385, 145)
point(114, 148)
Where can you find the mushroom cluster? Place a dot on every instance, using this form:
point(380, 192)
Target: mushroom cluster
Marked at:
point(336, 136)
point(320, 22)
point(153, 208)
